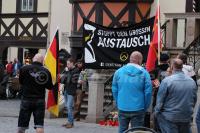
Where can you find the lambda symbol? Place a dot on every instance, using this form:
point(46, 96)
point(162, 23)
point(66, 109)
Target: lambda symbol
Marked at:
point(123, 56)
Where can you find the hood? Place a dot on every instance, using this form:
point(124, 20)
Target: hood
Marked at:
point(133, 69)
point(188, 70)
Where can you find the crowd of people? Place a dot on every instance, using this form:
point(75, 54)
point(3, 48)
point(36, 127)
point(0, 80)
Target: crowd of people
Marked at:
point(171, 90)
point(173, 87)
point(33, 92)
point(10, 70)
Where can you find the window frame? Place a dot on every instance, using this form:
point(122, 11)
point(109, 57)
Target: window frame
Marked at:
point(29, 5)
point(27, 9)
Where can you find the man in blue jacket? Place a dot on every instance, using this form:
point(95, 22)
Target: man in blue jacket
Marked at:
point(176, 99)
point(132, 90)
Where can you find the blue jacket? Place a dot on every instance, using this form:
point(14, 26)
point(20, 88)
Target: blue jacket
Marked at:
point(176, 97)
point(16, 67)
point(132, 88)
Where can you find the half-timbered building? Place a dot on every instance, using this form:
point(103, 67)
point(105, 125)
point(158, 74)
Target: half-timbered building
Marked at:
point(23, 28)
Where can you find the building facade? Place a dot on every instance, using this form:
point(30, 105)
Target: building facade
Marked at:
point(28, 25)
point(184, 7)
point(60, 17)
point(23, 28)
point(111, 13)
point(117, 13)
point(179, 22)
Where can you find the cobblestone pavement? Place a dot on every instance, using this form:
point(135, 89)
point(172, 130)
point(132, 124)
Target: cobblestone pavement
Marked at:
point(9, 110)
point(9, 125)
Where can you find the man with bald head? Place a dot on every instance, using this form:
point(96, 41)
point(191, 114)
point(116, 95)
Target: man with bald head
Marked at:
point(175, 101)
point(34, 79)
point(132, 90)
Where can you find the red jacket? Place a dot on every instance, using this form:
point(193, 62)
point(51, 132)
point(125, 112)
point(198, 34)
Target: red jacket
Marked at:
point(9, 68)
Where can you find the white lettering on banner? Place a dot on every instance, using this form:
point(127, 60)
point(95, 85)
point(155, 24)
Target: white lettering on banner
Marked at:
point(113, 64)
point(106, 33)
point(139, 31)
point(128, 44)
point(118, 42)
point(134, 32)
point(140, 43)
point(135, 42)
point(112, 43)
point(124, 42)
point(147, 40)
point(122, 33)
point(100, 42)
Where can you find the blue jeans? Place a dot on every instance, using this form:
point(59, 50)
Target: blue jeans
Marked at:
point(173, 127)
point(136, 118)
point(198, 120)
point(69, 103)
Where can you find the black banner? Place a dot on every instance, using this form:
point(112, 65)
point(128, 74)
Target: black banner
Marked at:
point(107, 48)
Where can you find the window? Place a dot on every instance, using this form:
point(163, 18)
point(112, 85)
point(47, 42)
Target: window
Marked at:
point(27, 6)
point(24, 6)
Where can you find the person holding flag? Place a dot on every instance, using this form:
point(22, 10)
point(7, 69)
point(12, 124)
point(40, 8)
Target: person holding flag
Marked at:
point(155, 45)
point(154, 51)
point(34, 79)
point(153, 58)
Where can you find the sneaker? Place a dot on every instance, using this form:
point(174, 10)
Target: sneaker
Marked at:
point(64, 125)
point(69, 125)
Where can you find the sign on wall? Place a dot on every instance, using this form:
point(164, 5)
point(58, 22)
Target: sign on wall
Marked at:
point(107, 48)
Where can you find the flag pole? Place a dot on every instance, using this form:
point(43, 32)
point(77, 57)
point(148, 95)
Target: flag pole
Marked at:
point(49, 25)
point(159, 49)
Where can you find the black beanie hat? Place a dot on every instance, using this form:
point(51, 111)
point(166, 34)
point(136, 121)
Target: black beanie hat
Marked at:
point(164, 57)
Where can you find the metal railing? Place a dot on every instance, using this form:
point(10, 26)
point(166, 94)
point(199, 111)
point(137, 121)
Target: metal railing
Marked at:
point(108, 104)
point(193, 52)
point(163, 33)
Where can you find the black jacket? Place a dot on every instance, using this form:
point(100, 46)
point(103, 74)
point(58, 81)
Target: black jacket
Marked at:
point(4, 80)
point(34, 79)
point(70, 80)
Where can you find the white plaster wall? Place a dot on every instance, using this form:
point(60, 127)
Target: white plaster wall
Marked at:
point(60, 16)
point(12, 53)
point(8, 6)
point(43, 5)
point(42, 51)
point(168, 6)
point(171, 6)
